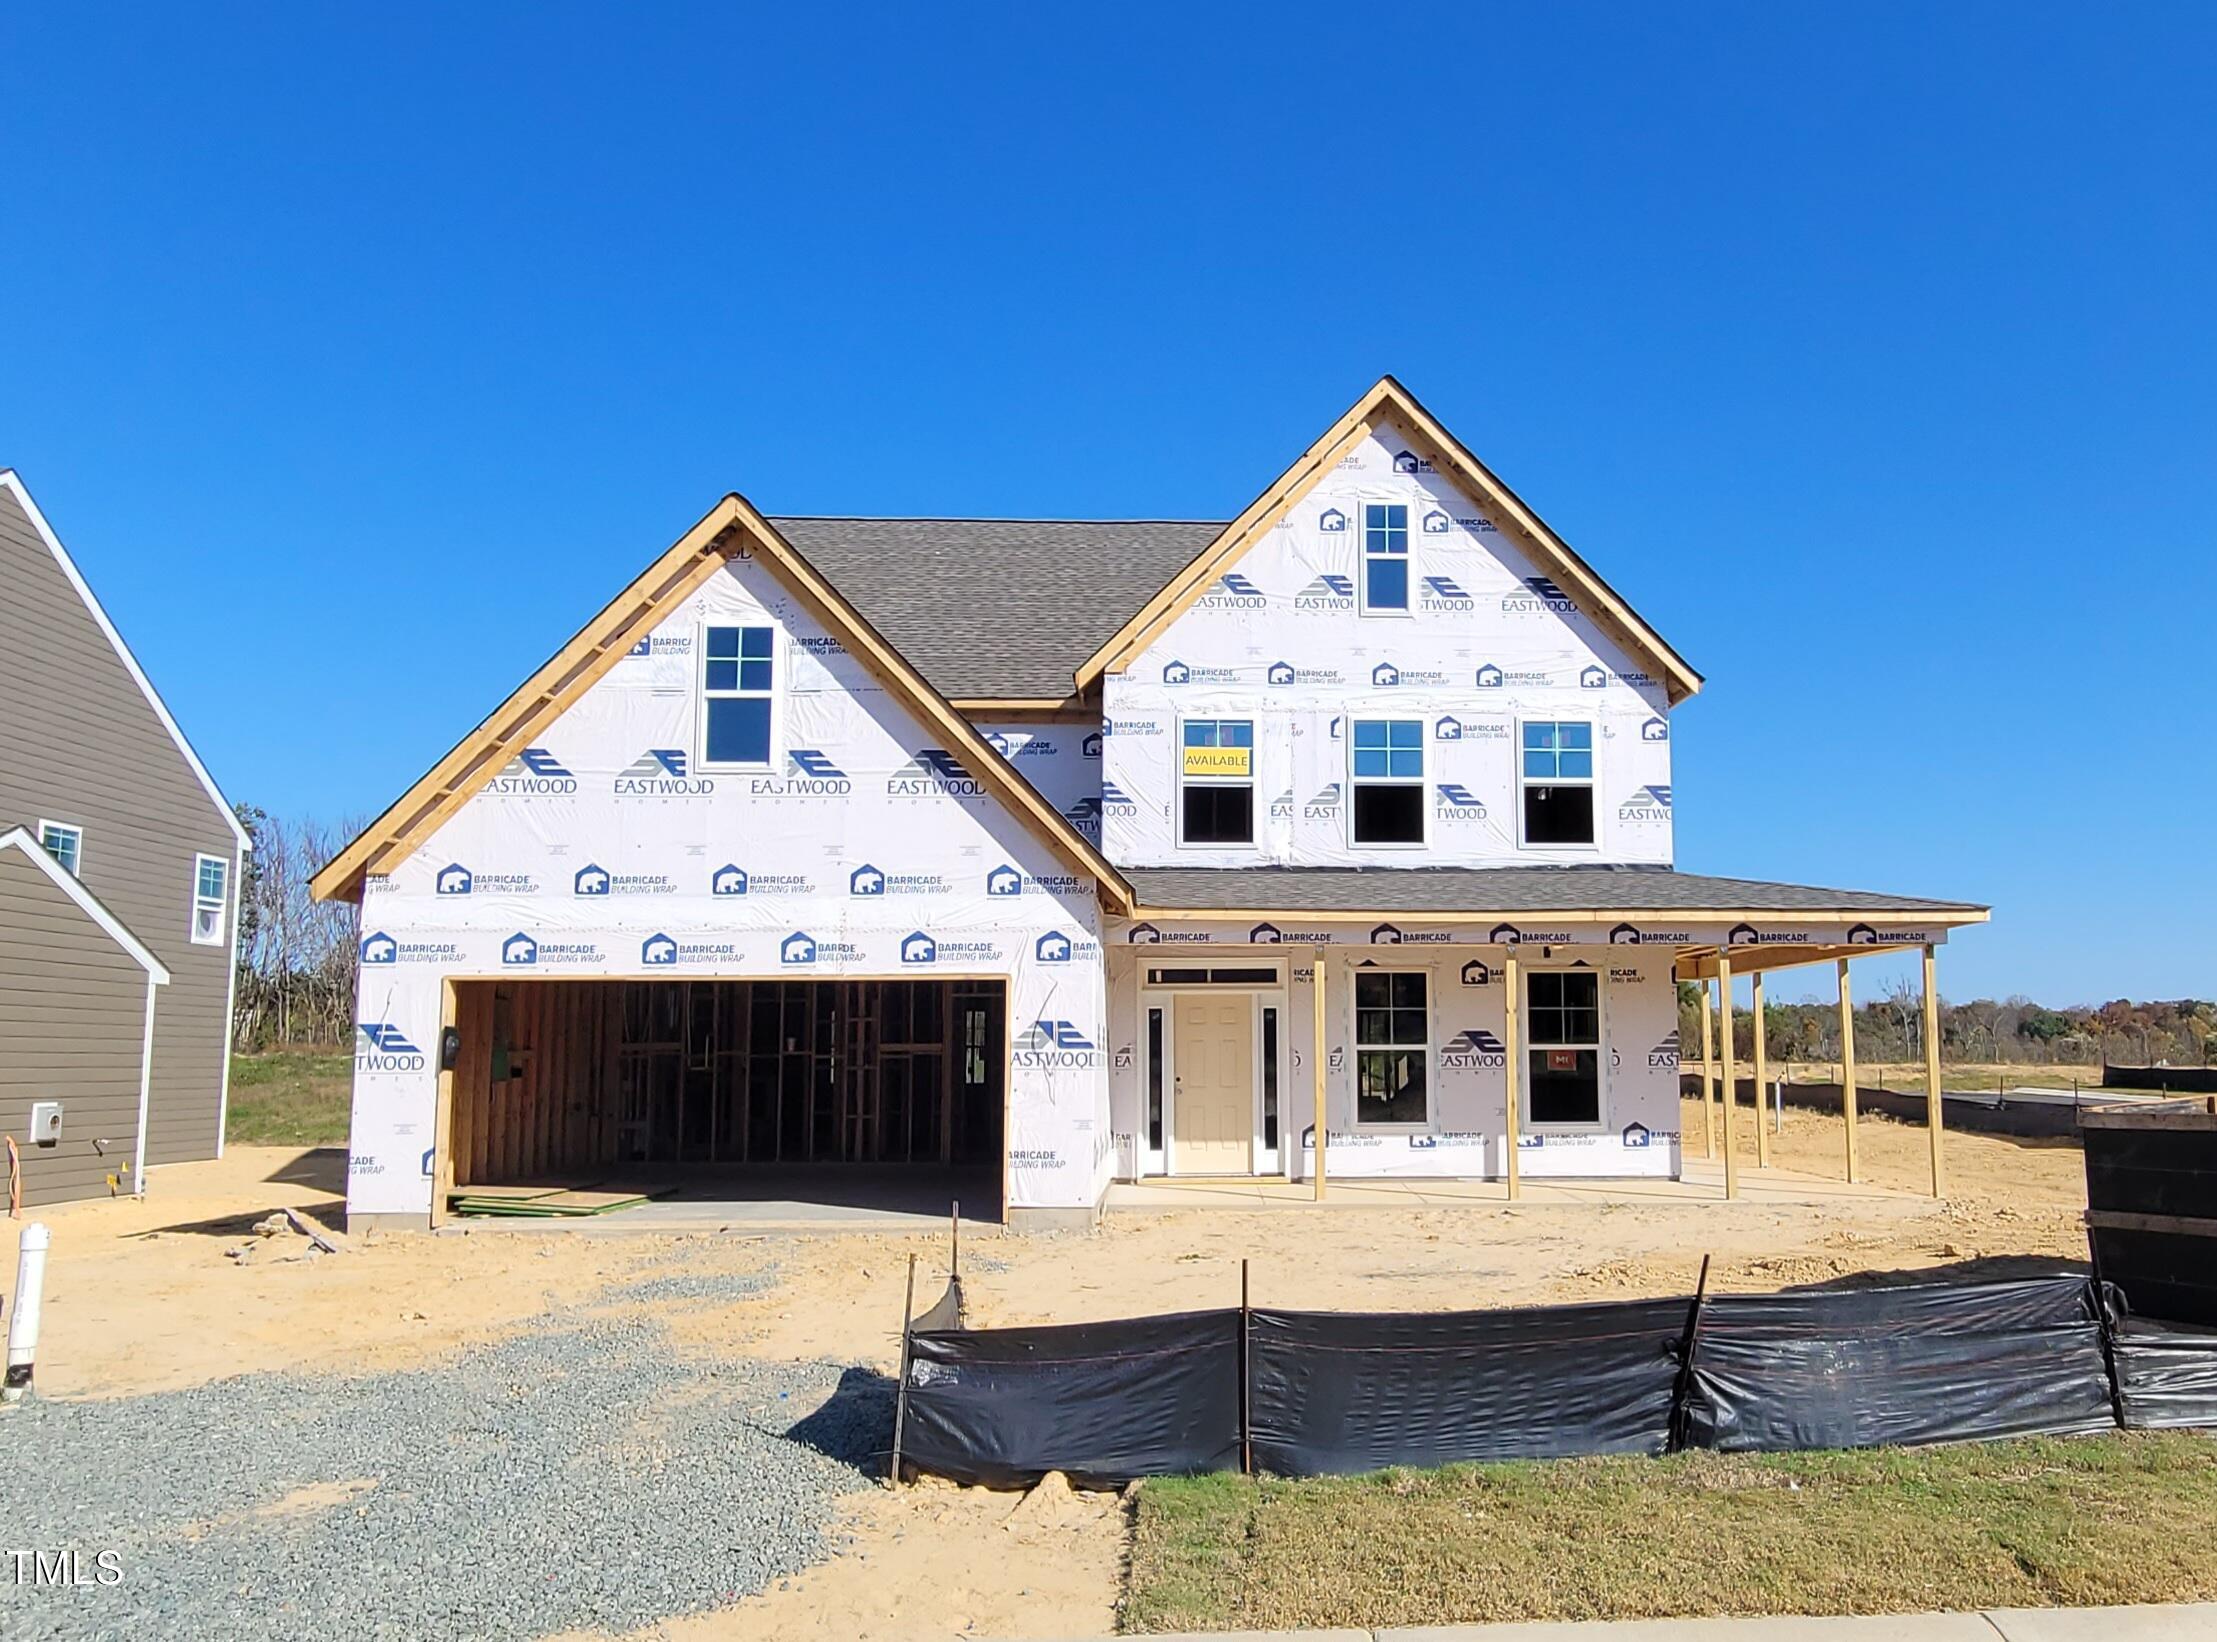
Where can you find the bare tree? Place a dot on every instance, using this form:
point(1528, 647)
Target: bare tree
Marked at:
point(297, 955)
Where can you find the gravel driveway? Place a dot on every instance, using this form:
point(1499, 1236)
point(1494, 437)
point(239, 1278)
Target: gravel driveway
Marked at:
point(575, 1476)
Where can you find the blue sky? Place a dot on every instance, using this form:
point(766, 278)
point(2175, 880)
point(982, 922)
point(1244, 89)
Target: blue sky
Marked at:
point(1870, 353)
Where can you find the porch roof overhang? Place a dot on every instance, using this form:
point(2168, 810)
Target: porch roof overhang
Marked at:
point(1763, 925)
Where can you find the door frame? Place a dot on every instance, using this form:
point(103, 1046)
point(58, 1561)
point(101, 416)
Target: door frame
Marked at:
point(1262, 1163)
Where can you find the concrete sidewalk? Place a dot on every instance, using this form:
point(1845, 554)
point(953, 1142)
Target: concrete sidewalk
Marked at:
point(2180, 1622)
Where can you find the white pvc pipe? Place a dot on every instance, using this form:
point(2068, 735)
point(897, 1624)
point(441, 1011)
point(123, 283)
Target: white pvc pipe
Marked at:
point(30, 1285)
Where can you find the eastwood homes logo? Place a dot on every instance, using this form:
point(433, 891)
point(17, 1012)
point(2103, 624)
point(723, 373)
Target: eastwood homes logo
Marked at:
point(533, 773)
point(524, 951)
point(808, 774)
point(934, 771)
point(1116, 801)
point(593, 879)
point(456, 879)
point(666, 951)
point(1051, 1045)
point(1007, 880)
point(1085, 815)
point(1665, 1054)
point(1232, 591)
point(733, 880)
point(1444, 593)
point(659, 772)
point(918, 947)
point(1650, 803)
point(380, 1046)
point(1476, 1050)
point(1178, 672)
point(1492, 677)
point(801, 948)
point(1536, 596)
point(381, 948)
point(1327, 592)
point(1458, 803)
point(1285, 673)
point(867, 880)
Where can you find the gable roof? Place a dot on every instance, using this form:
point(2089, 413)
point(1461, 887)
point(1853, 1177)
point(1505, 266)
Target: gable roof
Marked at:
point(19, 838)
point(998, 608)
point(12, 483)
point(1390, 404)
point(730, 529)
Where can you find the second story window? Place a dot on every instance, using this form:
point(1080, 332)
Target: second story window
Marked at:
point(1386, 558)
point(1216, 782)
point(1387, 757)
point(64, 843)
point(1557, 781)
point(735, 695)
point(211, 898)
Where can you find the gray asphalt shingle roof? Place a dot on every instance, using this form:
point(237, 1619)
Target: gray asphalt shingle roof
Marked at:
point(998, 607)
point(1496, 889)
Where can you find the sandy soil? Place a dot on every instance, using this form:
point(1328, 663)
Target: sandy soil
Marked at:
point(147, 1295)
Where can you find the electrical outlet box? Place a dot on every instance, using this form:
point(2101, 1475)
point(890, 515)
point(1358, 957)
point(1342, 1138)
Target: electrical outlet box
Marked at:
point(46, 1123)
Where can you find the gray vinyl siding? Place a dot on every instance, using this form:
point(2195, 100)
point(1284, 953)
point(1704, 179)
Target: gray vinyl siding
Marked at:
point(80, 743)
point(72, 1023)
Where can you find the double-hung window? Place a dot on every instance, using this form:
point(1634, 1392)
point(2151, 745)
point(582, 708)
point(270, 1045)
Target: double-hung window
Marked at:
point(1558, 783)
point(211, 898)
point(1216, 781)
point(64, 843)
point(736, 679)
point(1562, 1020)
point(1388, 781)
point(1386, 558)
point(1393, 1046)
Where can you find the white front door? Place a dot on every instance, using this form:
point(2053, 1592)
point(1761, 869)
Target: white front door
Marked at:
point(1213, 1112)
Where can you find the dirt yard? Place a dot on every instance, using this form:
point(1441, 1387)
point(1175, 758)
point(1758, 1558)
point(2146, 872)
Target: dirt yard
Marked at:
point(147, 1295)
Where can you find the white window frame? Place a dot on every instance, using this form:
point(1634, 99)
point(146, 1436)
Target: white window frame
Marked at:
point(1363, 556)
point(1253, 786)
point(1418, 781)
point(1600, 1046)
point(200, 902)
point(1592, 782)
point(75, 866)
point(701, 760)
point(1430, 1123)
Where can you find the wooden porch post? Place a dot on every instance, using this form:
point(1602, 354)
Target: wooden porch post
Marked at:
point(1847, 1068)
point(1731, 1077)
point(1762, 1075)
point(1708, 1081)
point(1932, 1066)
point(1509, 1078)
point(1319, 1060)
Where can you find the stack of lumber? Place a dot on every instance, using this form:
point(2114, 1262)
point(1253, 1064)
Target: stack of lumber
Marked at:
point(541, 1202)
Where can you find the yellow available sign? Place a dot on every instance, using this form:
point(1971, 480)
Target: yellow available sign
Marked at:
point(1224, 761)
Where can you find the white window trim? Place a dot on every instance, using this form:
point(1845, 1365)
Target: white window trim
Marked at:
point(702, 694)
point(1363, 556)
point(1421, 781)
point(1430, 1125)
point(77, 870)
point(1254, 819)
point(223, 911)
point(1601, 1124)
point(1593, 782)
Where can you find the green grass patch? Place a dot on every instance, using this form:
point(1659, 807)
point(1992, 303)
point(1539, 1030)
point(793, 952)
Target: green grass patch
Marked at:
point(290, 1097)
point(2049, 1521)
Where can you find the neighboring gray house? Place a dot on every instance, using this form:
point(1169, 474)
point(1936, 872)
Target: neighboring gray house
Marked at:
point(105, 788)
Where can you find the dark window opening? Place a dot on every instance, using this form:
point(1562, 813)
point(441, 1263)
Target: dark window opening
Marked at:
point(1219, 815)
point(1389, 815)
point(1154, 1080)
point(1558, 815)
point(1270, 1079)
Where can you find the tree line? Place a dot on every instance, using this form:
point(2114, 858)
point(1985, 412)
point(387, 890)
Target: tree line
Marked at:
point(2012, 1031)
point(299, 957)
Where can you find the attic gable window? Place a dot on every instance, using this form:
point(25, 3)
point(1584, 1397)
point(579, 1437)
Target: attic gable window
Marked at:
point(65, 843)
point(1385, 558)
point(737, 678)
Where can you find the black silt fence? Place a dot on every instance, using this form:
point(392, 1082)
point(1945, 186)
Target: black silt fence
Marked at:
point(1313, 1393)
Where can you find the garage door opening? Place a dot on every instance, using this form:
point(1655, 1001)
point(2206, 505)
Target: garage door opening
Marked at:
point(882, 1097)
